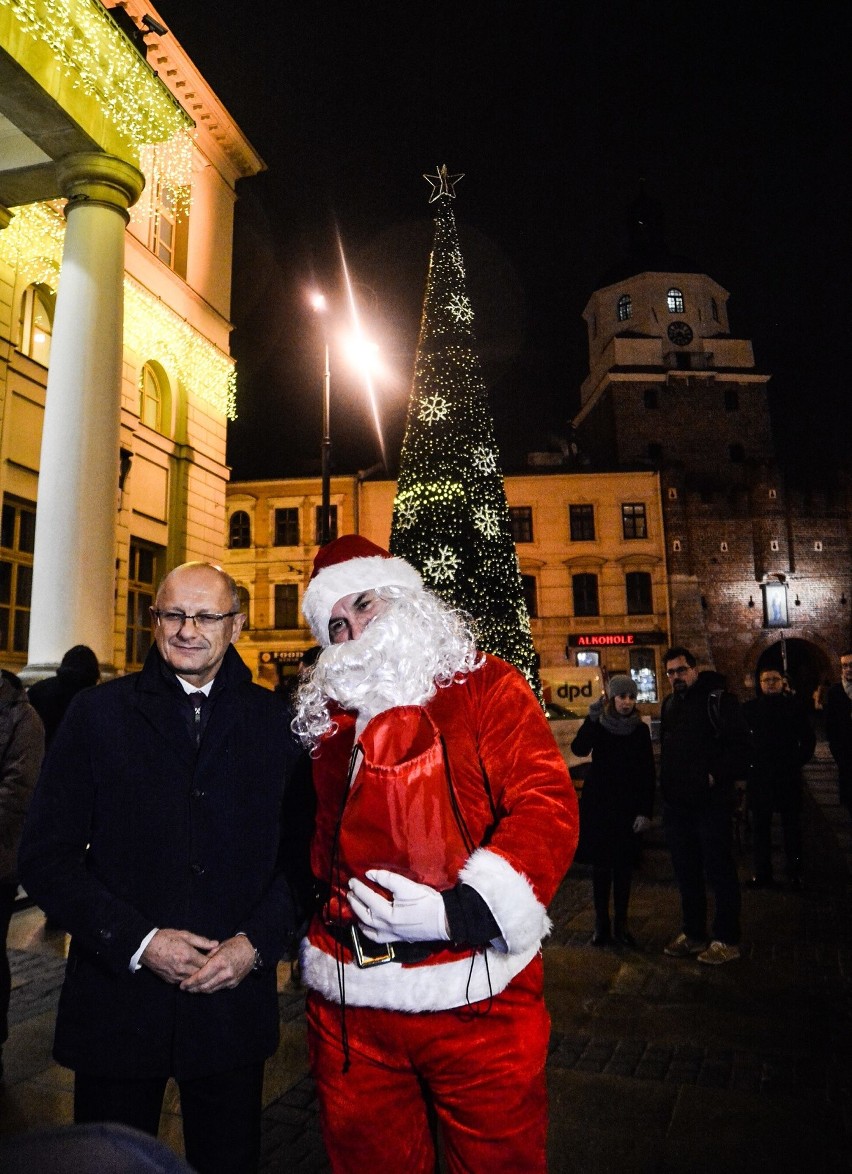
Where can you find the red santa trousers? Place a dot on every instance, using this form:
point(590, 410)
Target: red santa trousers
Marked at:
point(483, 1067)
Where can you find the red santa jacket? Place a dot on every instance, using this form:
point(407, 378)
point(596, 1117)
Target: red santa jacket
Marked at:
point(513, 840)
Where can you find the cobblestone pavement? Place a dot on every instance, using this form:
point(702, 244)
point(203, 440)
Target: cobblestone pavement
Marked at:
point(655, 1064)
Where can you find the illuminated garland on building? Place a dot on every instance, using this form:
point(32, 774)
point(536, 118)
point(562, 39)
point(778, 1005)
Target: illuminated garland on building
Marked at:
point(450, 517)
point(32, 244)
point(97, 59)
point(153, 331)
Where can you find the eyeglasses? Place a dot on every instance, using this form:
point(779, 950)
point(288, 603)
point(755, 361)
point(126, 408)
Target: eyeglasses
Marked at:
point(206, 621)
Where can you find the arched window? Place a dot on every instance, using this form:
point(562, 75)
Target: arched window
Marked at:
point(151, 398)
point(239, 532)
point(625, 308)
point(245, 601)
point(674, 300)
point(37, 306)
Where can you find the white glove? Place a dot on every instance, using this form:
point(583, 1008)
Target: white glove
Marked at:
point(416, 913)
point(641, 823)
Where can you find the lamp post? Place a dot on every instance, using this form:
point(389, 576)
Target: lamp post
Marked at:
point(320, 305)
point(362, 355)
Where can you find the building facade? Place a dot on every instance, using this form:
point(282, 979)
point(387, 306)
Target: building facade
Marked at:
point(590, 548)
point(117, 187)
point(759, 571)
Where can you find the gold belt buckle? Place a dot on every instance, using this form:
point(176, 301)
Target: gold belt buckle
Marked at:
point(365, 959)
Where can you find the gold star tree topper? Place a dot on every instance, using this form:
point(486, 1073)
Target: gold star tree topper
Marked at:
point(443, 184)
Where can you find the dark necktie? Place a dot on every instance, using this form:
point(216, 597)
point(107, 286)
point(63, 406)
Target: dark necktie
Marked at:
point(199, 700)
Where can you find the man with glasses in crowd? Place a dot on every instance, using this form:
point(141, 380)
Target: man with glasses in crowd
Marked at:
point(156, 839)
point(838, 729)
point(703, 750)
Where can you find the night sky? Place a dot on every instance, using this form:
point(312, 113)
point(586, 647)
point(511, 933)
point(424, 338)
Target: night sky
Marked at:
point(734, 115)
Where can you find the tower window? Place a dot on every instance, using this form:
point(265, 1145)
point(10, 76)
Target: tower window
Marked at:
point(674, 301)
point(624, 308)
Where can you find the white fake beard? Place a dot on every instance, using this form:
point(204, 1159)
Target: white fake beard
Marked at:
point(391, 664)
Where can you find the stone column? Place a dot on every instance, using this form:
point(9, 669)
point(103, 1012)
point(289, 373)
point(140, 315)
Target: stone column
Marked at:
point(73, 600)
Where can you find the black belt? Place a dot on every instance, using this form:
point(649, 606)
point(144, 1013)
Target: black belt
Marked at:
point(367, 953)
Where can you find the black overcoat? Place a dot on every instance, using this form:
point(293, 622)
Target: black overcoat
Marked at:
point(131, 829)
point(618, 787)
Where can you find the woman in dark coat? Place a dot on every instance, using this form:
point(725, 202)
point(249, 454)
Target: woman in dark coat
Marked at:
point(616, 802)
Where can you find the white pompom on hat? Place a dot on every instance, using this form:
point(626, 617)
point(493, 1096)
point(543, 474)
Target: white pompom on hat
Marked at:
point(348, 565)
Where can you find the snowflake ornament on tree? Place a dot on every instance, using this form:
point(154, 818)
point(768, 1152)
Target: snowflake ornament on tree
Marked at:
point(433, 409)
point(460, 308)
point(441, 568)
point(487, 521)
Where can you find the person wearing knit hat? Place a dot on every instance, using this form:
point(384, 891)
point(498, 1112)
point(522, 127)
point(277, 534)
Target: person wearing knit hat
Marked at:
point(617, 800)
point(446, 820)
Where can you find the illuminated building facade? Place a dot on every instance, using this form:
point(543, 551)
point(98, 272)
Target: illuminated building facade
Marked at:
point(117, 189)
point(590, 548)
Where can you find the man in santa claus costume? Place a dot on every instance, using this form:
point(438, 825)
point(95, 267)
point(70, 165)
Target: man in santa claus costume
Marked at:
point(445, 821)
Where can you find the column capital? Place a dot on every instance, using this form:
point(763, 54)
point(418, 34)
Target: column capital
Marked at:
point(93, 177)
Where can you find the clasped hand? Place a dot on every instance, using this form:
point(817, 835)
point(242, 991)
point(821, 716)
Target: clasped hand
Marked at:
point(415, 914)
point(197, 964)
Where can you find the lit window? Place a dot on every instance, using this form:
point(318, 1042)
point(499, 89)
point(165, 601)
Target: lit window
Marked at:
point(239, 530)
point(286, 605)
point(17, 539)
point(585, 589)
point(37, 306)
point(287, 527)
point(625, 308)
point(639, 599)
point(644, 672)
point(674, 301)
point(169, 235)
point(141, 575)
point(520, 518)
point(633, 520)
point(582, 520)
point(150, 398)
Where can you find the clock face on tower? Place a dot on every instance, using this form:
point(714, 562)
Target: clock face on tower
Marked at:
point(680, 333)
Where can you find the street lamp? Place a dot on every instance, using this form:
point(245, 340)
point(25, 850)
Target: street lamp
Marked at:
point(362, 353)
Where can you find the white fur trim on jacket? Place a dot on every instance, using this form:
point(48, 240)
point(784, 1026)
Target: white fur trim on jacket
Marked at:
point(347, 578)
point(391, 987)
point(509, 895)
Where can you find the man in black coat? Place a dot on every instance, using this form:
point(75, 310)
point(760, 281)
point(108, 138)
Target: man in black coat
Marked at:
point(838, 729)
point(50, 698)
point(782, 741)
point(703, 750)
point(155, 839)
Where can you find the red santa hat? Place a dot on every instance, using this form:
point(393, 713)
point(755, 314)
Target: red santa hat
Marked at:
point(348, 565)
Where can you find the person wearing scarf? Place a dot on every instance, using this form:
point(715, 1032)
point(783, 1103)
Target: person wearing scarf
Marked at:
point(616, 803)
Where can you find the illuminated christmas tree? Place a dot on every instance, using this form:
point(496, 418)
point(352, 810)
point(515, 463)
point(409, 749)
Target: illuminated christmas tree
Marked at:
point(450, 517)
